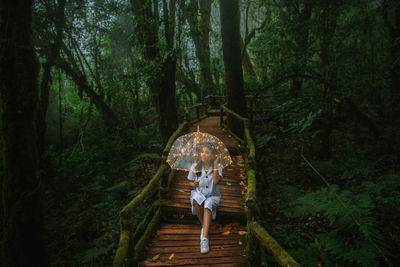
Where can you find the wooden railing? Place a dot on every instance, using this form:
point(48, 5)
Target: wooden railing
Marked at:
point(258, 238)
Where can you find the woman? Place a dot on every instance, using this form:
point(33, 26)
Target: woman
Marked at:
point(204, 177)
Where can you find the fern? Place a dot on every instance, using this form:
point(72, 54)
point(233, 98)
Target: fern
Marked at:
point(92, 254)
point(348, 241)
point(118, 187)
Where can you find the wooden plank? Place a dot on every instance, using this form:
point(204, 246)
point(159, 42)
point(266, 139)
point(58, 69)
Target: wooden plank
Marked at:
point(221, 207)
point(184, 237)
point(186, 190)
point(210, 261)
point(224, 209)
point(218, 265)
point(214, 226)
point(224, 200)
point(214, 231)
point(196, 254)
point(193, 243)
point(159, 250)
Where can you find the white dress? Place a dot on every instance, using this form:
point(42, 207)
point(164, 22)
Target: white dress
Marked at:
point(207, 191)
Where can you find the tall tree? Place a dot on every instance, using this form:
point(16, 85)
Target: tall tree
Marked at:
point(229, 11)
point(146, 21)
point(22, 231)
point(167, 102)
point(162, 82)
point(200, 33)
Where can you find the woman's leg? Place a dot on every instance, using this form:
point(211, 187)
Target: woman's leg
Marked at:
point(199, 210)
point(207, 221)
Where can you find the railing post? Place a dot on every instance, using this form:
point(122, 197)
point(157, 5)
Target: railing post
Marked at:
point(221, 116)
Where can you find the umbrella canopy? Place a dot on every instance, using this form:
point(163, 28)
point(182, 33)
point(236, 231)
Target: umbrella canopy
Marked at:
point(186, 150)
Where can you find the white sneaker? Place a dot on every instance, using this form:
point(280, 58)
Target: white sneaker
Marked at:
point(201, 234)
point(204, 248)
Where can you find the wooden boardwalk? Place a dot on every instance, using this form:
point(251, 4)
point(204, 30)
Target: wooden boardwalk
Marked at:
point(177, 242)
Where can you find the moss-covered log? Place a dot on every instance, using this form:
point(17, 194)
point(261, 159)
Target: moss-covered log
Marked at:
point(130, 208)
point(145, 221)
point(151, 227)
point(267, 241)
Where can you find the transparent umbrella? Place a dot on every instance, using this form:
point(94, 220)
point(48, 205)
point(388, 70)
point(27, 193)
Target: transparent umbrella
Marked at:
point(186, 150)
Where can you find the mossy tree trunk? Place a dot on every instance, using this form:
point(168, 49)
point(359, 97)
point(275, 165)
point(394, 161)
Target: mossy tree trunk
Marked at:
point(200, 33)
point(22, 223)
point(167, 91)
point(229, 11)
point(146, 20)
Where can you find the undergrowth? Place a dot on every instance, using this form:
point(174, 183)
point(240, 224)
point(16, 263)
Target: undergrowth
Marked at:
point(89, 189)
point(351, 222)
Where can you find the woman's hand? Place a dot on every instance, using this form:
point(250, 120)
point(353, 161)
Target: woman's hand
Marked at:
point(195, 184)
point(217, 177)
point(216, 161)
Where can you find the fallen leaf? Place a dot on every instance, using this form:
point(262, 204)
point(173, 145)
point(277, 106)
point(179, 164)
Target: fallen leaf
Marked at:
point(172, 256)
point(180, 190)
point(181, 216)
point(242, 232)
point(156, 257)
point(240, 243)
point(228, 183)
point(226, 233)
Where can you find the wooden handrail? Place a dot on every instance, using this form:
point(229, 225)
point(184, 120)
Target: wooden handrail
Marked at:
point(129, 210)
point(267, 241)
point(227, 110)
point(251, 208)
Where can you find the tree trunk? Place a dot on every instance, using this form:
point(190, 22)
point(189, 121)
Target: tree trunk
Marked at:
point(394, 32)
point(200, 33)
point(229, 10)
point(147, 33)
point(167, 102)
point(22, 223)
point(301, 46)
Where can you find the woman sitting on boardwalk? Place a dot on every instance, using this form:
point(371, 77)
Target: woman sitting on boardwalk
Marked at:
point(205, 196)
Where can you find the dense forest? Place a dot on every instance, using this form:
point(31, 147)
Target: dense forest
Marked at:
point(91, 91)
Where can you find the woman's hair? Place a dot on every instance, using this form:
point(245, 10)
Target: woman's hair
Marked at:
point(199, 164)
